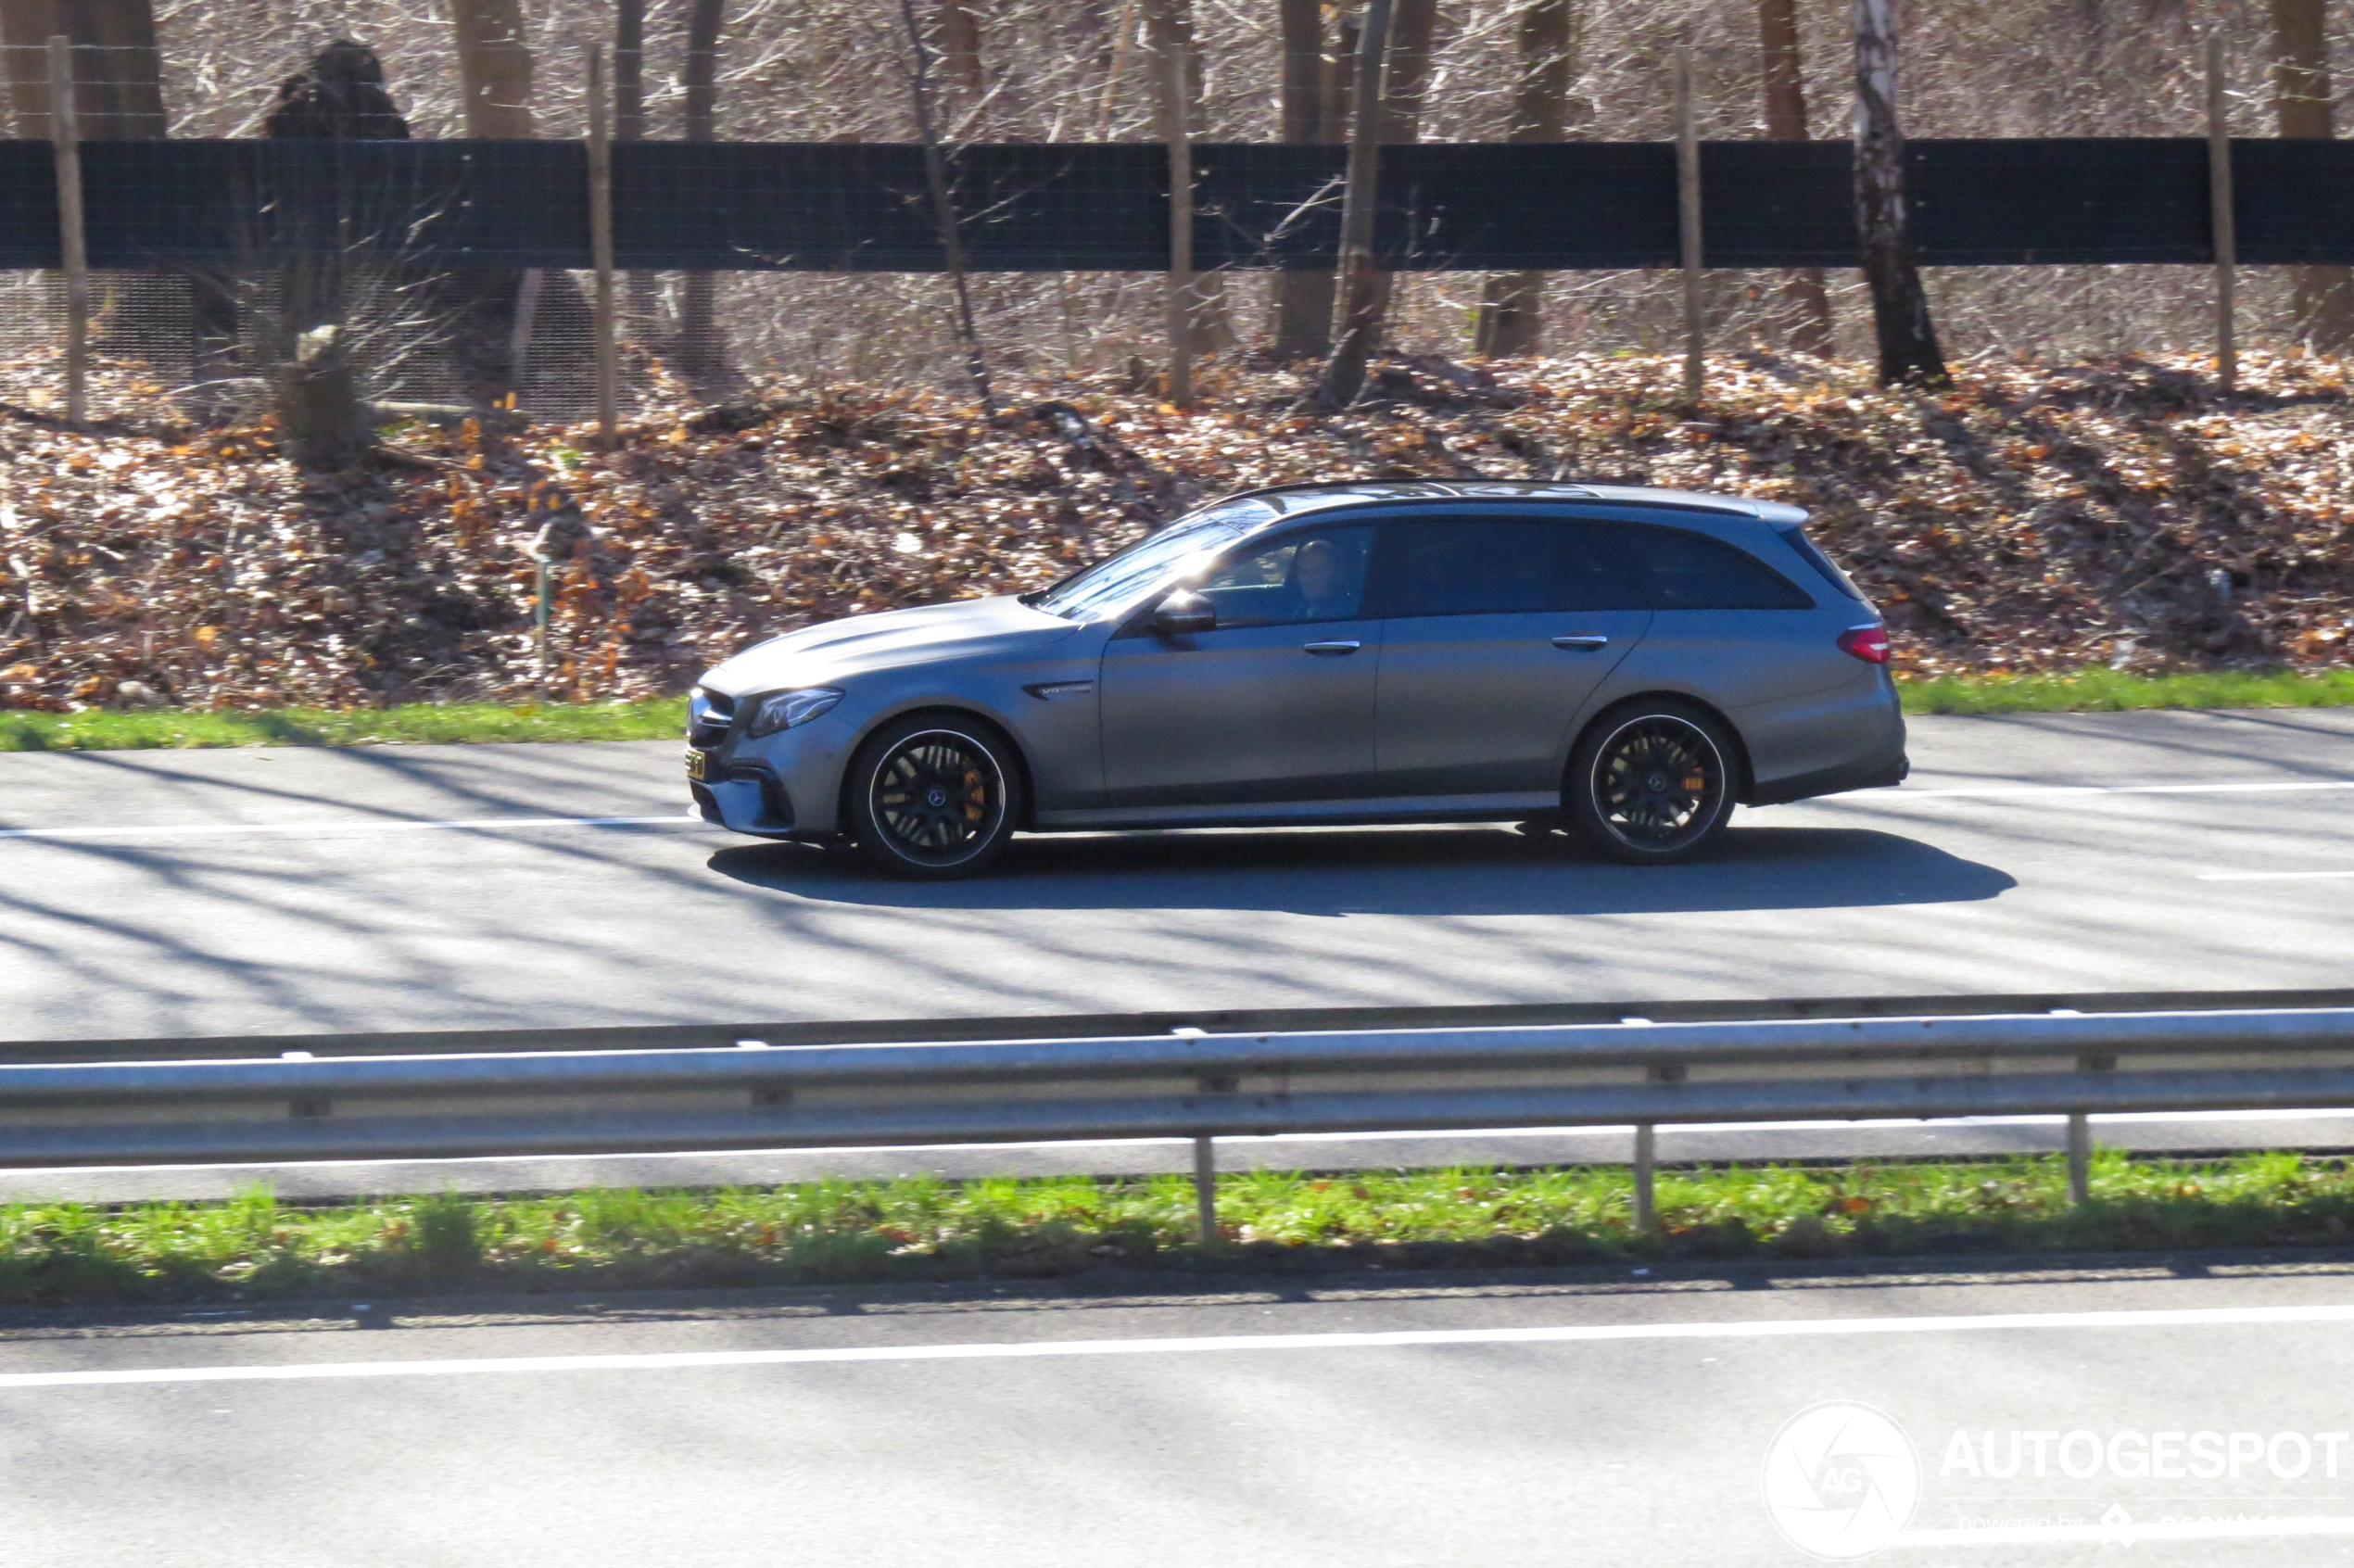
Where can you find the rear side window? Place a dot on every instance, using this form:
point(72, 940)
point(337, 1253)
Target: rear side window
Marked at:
point(1688, 571)
point(1501, 566)
point(1796, 538)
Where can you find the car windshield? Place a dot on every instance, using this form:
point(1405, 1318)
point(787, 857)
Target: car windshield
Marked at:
point(1118, 580)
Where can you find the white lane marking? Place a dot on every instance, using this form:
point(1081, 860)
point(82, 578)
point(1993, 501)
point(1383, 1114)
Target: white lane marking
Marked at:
point(342, 825)
point(2270, 876)
point(1804, 1328)
point(2011, 790)
point(2125, 1533)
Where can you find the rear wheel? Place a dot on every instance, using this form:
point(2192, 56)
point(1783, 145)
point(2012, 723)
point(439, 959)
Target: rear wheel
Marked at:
point(934, 798)
point(1653, 784)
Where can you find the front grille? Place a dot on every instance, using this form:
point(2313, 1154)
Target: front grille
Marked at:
point(709, 714)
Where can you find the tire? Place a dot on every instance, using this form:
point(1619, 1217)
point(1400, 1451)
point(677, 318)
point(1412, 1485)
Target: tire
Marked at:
point(1653, 783)
point(934, 797)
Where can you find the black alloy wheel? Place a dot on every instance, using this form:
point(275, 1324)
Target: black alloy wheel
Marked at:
point(1654, 784)
point(933, 800)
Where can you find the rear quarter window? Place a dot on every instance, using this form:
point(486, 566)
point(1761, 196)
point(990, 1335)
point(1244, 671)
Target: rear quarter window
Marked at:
point(1688, 571)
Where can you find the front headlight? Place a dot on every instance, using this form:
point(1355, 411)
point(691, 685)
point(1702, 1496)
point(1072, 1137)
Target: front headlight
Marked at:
point(787, 709)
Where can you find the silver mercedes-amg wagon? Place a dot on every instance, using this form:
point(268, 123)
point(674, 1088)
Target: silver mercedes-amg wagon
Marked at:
point(1632, 662)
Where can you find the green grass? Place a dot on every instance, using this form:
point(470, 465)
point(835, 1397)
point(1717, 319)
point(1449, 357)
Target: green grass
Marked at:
point(660, 718)
point(95, 729)
point(2098, 690)
point(254, 1248)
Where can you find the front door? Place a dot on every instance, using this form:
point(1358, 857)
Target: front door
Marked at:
point(1498, 629)
point(1276, 703)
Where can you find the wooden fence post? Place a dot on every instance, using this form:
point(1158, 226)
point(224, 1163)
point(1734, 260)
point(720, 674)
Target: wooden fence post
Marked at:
point(1688, 223)
point(600, 250)
point(2218, 197)
point(72, 242)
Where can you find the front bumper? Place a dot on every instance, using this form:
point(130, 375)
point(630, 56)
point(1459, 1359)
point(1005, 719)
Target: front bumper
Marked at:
point(781, 786)
point(746, 797)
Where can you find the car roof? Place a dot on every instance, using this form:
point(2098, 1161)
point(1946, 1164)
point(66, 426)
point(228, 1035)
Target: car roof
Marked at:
point(1293, 499)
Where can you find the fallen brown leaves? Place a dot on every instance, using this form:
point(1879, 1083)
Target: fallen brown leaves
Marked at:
point(2035, 517)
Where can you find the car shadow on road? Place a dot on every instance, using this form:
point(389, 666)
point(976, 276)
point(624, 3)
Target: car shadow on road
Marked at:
point(1439, 871)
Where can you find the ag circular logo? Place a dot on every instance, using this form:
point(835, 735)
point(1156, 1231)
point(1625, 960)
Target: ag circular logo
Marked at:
point(1840, 1480)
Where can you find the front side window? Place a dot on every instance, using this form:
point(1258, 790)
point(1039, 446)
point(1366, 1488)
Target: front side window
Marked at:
point(1118, 580)
point(1317, 575)
point(1688, 571)
point(1502, 566)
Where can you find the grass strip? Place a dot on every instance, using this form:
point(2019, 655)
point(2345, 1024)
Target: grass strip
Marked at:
point(832, 1232)
point(2098, 690)
point(98, 729)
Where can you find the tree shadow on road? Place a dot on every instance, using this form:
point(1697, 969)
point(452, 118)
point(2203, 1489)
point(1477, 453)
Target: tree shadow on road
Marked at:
point(1443, 871)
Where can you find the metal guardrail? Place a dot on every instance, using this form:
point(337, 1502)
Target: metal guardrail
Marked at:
point(757, 1093)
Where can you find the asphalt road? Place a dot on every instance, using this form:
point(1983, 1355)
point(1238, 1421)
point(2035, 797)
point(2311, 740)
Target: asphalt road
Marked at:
point(1626, 1421)
point(409, 887)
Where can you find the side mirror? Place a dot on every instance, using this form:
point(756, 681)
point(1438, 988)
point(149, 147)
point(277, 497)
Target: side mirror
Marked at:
point(1183, 612)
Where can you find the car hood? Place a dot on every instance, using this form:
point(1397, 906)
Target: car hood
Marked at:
point(814, 655)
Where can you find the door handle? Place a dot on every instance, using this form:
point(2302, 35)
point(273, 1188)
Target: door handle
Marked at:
point(1330, 649)
point(1585, 643)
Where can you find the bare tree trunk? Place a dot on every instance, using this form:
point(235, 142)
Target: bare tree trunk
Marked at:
point(1806, 309)
point(1304, 299)
point(1511, 309)
point(702, 351)
point(1357, 309)
point(119, 73)
point(1908, 351)
point(496, 63)
point(1171, 97)
point(26, 27)
point(1405, 81)
point(629, 125)
point(960, 48)
point(480, 305)
point(2323, 297)
point(944, 208)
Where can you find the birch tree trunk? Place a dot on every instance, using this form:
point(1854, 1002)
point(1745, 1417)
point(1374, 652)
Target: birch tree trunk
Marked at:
point(1511, 313)
point(2321, 297)
point(1806, 309)
point(1908, 339)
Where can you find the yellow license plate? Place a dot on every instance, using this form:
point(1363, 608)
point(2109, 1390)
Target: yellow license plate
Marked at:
point(698, 764)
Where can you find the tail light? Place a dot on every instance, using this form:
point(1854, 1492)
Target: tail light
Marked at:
point(1867, 643)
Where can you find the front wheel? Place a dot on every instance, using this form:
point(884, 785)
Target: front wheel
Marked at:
point(1653, 784)
point(934, 798)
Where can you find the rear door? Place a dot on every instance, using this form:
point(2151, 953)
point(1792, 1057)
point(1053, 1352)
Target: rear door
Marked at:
point(1496, 628)
point(1737, 631)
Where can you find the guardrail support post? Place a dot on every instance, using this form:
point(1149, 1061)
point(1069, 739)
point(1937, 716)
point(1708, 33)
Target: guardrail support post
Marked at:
point(2080, 1159)
point(1646, 1202)
point(1206, 1188)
